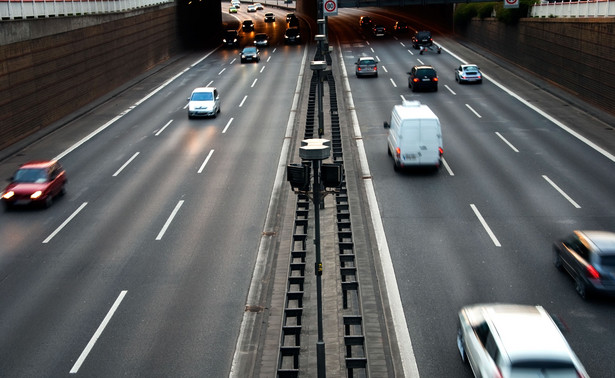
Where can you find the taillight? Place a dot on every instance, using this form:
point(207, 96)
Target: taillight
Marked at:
point(398, 151)
point(415, 80)
point(592, 272)
point(441, 151)
point(375, 68)
point(435, 79)
point(358, 68)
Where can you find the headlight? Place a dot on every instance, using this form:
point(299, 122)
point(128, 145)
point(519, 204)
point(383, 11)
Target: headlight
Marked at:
point(8, 194)
point(36, 194)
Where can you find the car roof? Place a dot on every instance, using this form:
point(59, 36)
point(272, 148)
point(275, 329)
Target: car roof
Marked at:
point(37, 164)
point(367, 58)
point(601, 242)
point(424, 66)
point(526, 332)
point(204, 89)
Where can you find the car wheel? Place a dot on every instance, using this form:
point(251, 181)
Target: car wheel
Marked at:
point(48, 201)
point(581, 288)
point(557, 261)
point(389, 151)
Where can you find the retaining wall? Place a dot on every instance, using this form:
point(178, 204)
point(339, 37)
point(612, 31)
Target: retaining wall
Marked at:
point(576, 54)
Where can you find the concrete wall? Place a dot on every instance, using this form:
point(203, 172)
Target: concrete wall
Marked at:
point(576, 54)
point(49, 68)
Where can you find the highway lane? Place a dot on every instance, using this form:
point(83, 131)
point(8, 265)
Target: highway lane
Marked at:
point(154, 244)
point(504, 162)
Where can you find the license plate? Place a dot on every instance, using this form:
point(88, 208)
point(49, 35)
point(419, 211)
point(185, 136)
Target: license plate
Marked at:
point(426, 79)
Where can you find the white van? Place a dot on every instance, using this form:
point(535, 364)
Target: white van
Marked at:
point(415, 136)
point(204, 102)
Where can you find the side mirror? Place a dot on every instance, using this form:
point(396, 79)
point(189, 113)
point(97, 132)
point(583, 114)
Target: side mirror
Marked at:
point(387, 125)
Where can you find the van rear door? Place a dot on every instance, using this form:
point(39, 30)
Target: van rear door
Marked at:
point(409, 141)
point(430, 142)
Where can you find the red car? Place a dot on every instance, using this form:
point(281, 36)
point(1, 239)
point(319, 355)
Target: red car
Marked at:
point(36, 182)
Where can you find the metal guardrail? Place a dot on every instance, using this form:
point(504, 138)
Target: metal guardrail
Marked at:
point(31, 9)
point(600, 8)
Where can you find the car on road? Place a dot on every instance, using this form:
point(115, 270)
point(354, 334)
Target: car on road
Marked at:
point(422, 38)
point(236, 3)
point(365, 22)
point(259, 6)
point(232, 9)
point(509, 340)
point(589, 257)
point(35, 183)
point(252, 8)
point(290, 16)
point(261, 39)
point(269, 17)
point(423, 77)
point(247, 25)
point(204, 102)
point(379, 31)
point(468, 73)
point(400, 27)
point(230, 38)
point(366, 66)
point(250, 54)
point(292, 35)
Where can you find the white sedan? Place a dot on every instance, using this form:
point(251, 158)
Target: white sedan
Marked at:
point(468, 73)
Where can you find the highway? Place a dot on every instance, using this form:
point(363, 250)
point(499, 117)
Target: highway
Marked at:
point(143, 268)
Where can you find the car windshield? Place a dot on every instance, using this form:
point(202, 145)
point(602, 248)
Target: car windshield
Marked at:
point(607, 260)
point(425, 72)
point(260, 37)
point(555, 369)
point(202, 96)
point(367, 61)
point(35, 175)
point(249, 50)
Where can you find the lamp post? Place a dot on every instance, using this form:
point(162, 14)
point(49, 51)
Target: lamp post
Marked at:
point(317, 150)
point(319, 66)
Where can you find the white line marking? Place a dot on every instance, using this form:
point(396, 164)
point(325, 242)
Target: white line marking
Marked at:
point(268, 59)
point(561, 192)
point(242, 101)
point(420, 61)
point(205, 162)
point(485, 226)
point(410, 51)
point(450, 90)
point(125, 164)
point(450, 171)
point(210, 83)
point(227, 125)
point(506, 141)
point(262, 69)
point(385, 69)
point(64, 223)
point(165, 126)
point(371, 48)
point(392, 82)
point(233, 61)
point(169, 220)
point(98, 332)
point(473, 111)
point(220, 73)
point(253, 83)
point(401, 43)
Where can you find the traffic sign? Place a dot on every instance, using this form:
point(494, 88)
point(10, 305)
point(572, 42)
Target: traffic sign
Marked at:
point(511, 3)
point(329, 7)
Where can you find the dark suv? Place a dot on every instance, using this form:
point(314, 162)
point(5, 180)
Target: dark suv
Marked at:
point(422, 38)
point(230, 38)
point(423, 77)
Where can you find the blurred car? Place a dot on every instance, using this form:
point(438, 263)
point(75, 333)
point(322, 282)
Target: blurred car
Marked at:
point(366, 66)
point(232, 9)
point(365, 22)
point(400, 27)
point(292, 35)
point(589, 257)
point(468, 73)
point(290, 16)
point(236, 3)
point(230, 38)
point(379, 31)
point(507, 340)
point(35, 183)
point(423, 77)
point(251, 8)
point(204, 102)
point(247, 26)
point(259, 6)
point(250, 54)
point(422, 38)
point(269, 17)
point(261, 39)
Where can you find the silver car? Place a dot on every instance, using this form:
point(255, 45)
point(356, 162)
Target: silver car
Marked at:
point(508, 340)
point(366, 66)
point(204, 102)
point(468, 73)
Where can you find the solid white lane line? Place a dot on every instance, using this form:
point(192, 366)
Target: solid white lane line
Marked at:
point(125, 164)
point(64, 223)
point(400, 325)
point(227, 125)
point(473, 111)
point(485, 226)
point(169, 220)
point(561, 192)
point(205, 162)
point(392, 82)
point(98, 332)
point(165, 126)
point(506, 141)
point(242, 101)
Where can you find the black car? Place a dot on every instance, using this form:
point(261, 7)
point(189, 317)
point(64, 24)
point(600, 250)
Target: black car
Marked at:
point(250, 54)
point(400, 27)
point(247, 26)
point(365, 22)
point(422, 38)
point(230, 38)
point(589, 257)
point(292, 35)
point(423, 77)
point(379, 31)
